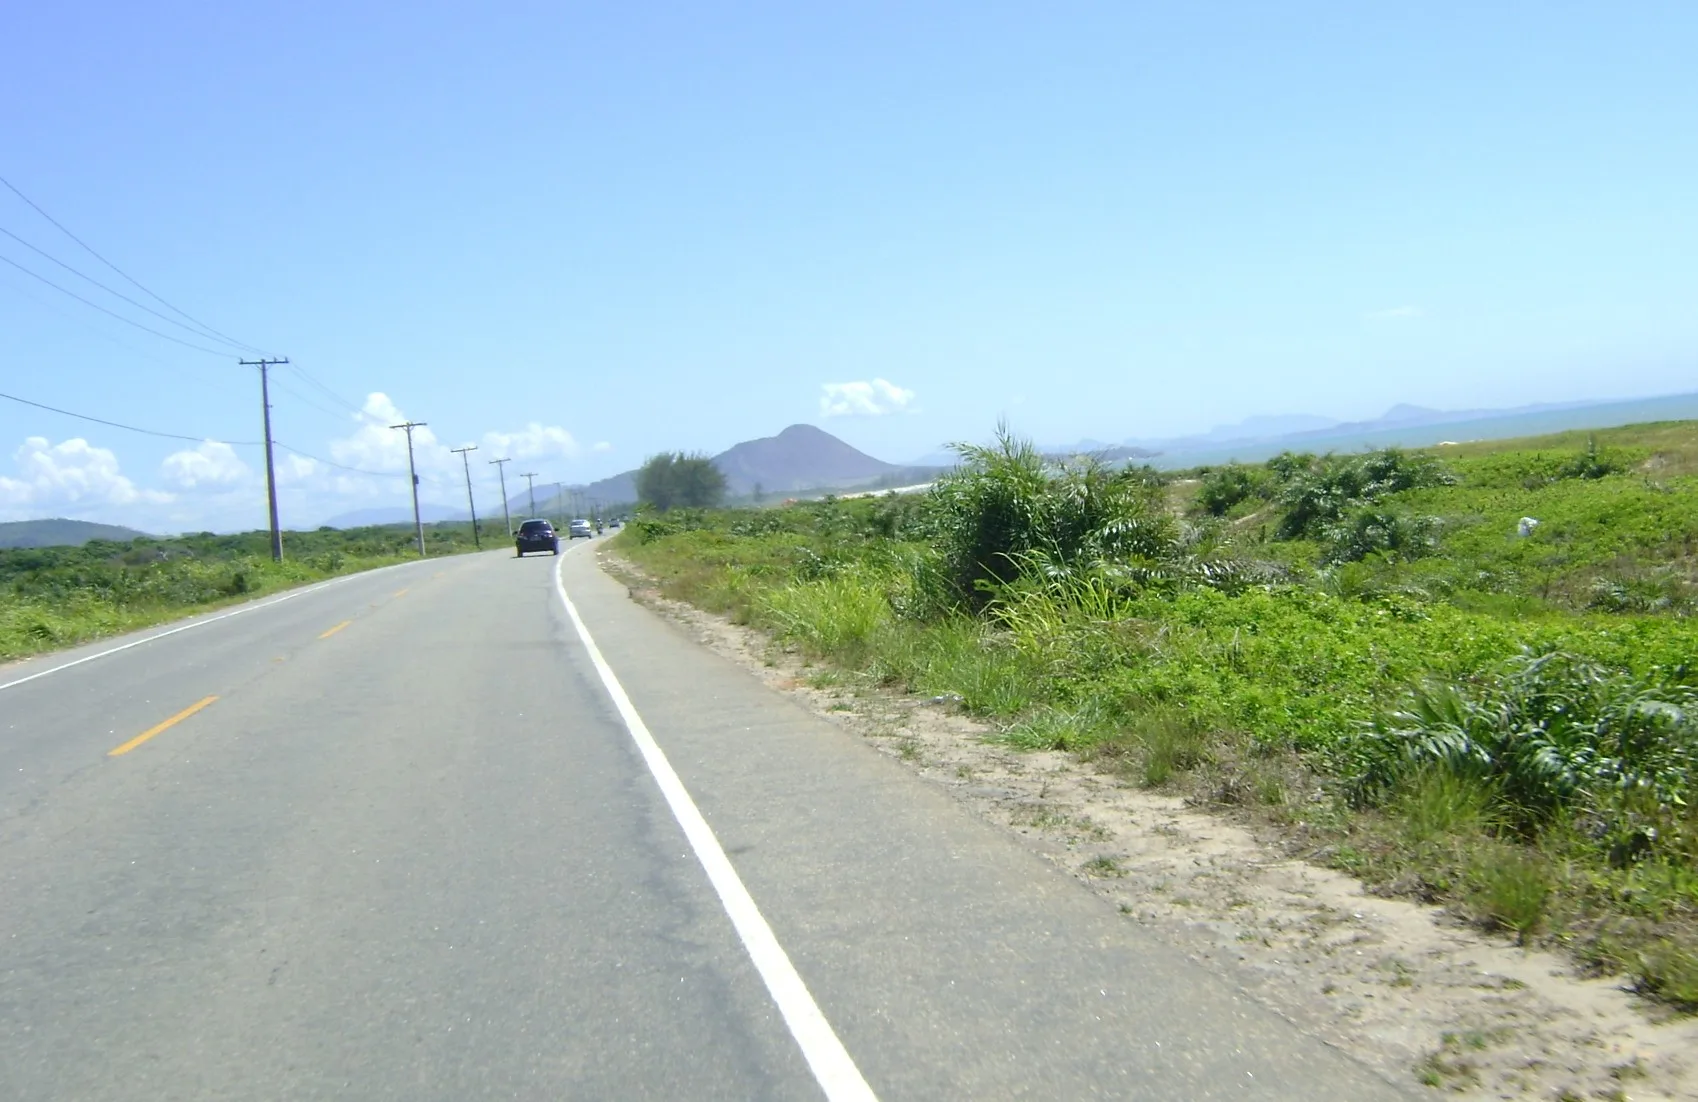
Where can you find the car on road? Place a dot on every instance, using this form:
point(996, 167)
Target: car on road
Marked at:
point(579, 528)
point(536, 535)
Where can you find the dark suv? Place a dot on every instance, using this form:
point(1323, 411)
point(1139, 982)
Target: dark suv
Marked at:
point(537, 535)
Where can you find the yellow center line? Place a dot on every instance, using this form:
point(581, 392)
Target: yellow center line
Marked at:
point(334, 630)
point(401, 592)
point(158, 727)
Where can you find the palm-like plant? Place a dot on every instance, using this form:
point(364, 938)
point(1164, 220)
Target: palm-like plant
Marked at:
point(1552, 730)
point(1006, 512)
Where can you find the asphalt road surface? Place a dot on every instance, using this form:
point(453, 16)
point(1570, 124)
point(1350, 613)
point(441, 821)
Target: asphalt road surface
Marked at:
point(418, 834)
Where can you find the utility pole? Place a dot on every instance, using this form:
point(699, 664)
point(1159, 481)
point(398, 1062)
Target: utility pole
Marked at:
point(501, 469)
point(530, 481)
point(264, 363)
point(470, 504)
point(558, 496)
point(418, 523)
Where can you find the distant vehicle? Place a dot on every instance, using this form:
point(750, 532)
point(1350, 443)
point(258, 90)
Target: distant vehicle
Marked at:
point(536, 535)
point(579, 528)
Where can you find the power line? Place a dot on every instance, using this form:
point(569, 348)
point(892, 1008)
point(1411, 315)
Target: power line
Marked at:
point(308, 401)
point(433, 479)
point(337, 398)
point(211, 440)
point(131, 428)
point(117, 294)
point(338, 466)
point(104, 310)
point(52, 306)
point(133, 281)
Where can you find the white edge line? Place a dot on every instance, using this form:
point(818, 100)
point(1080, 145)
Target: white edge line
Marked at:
point(830, 1062)
point(254, 607)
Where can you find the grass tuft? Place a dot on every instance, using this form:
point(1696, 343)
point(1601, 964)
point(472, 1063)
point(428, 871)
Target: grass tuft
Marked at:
point(1511, 888)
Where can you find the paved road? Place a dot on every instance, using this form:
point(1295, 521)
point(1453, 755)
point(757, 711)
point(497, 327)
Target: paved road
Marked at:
point(413, 850)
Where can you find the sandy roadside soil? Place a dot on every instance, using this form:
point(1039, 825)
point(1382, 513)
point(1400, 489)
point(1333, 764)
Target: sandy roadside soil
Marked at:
point(1402, 986)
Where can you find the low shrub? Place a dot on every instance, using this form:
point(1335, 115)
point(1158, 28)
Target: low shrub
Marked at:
point(1551, 732)
point(1225, 487)
point(1319, 496)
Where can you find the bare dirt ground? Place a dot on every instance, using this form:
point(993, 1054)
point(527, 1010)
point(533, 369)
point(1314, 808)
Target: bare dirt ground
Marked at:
point(1402, 986)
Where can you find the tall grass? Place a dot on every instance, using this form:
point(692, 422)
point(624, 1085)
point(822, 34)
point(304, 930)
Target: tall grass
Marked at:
point(837, 617)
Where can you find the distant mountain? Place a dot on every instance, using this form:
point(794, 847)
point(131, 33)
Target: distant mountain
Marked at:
point(940, 458)
point(802, 458)
point(1416, 426)
point(401, 514)
point(1276, 425)
point(1093, 449)
point(59, 532)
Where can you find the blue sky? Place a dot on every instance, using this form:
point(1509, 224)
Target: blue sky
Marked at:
point(584, 233)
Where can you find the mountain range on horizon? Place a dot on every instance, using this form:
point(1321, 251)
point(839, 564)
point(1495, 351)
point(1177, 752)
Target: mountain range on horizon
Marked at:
point(1403, 425)
point(1412, 426)
point(1282, 426)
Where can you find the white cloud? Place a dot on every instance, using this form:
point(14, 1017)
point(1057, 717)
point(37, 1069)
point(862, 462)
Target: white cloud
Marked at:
point(1395, 313)
point(601, 446)
point(375, 446)
point(210, 463)
point(534, 441)
point(864, 399)
point(295, 468)
point(69, 475)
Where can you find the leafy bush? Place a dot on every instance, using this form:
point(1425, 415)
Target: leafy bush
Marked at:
point(1550, 731)
point(1381, 531)
point(1590, 464)
point(1639, 591)
point(673, 479)
point(1227, 486)
point(1319, 497)
point(649, 529)
point(1289, 465)
point(1003, 512)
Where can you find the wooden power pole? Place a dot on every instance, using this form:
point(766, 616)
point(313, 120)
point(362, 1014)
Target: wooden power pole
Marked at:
point(264, 364)
point(418, 522)
point(477, 541)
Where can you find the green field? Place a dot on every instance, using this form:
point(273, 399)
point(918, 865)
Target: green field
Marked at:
point(1362, 650)
point(53, 597)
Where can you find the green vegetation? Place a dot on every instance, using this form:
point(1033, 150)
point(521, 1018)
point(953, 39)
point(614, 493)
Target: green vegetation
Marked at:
point(53, 597)
point(675, 480)
point(1372, 651)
